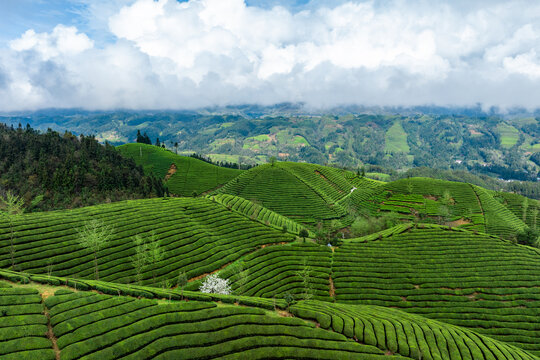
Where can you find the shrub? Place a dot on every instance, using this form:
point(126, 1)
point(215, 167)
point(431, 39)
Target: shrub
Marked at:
point(528, 237)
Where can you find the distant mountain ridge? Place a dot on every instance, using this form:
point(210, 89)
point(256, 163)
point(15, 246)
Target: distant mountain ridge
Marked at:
point(468, 139)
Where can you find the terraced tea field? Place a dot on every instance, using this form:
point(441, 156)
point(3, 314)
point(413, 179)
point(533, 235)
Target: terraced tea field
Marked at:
point(197, 235)
point(23, 326)
point(414, 291)
point(475, 281)
point(405, 334)
point(88, 325)
point(188, 175)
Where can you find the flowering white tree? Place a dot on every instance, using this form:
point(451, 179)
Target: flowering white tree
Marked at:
point(213, 284)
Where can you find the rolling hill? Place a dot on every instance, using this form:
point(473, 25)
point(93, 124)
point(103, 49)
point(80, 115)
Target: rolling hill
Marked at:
point(87, 325)
point(183, 175)
point(460, 277)
point(197, 235)
point(313, 194)
point(448, 282)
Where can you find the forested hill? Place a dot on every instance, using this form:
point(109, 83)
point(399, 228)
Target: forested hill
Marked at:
point(63, 171)
point(501, 147)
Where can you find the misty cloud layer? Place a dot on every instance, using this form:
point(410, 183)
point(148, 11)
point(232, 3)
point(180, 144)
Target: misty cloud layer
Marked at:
point(169, 54)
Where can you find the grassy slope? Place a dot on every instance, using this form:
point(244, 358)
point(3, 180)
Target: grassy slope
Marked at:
point(509, 135)
point(191, 174)
point(99, 326)
point(396, 139)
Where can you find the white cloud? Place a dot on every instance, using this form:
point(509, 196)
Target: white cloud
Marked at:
point(169, 54)
point(63, 41)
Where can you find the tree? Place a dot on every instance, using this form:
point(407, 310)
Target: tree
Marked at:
point(94, 235)
point(12, 207)
point(289, 299)
point(443, 214)
point(176, 148)
point(181, 282)
point(525, 206)
point(155, 254)
point(305, 275)
point(446, 198)
point(528, 237)
point(410, 187)
point(157, 142)
point(303, 234)
point(140, 138)
point(273, 160)
point(242, 277)
point(213, 284)
point(146, 139)
point(139, 260)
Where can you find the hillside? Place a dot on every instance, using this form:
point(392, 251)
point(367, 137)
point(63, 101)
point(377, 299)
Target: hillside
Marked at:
point(306, 193)
point(449, 281)
point(67, 171)
point(312, 194)
point(459, 277)
point(186, 177)
point(197, 235)
point(89, 325)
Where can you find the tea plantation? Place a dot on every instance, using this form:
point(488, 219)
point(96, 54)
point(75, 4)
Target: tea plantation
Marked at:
point(89, 325)
point(188, 175)
point(448, 282)
point(313, 194)
point(197, 236)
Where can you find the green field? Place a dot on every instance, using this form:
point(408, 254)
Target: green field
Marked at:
point(509, 135)
point(396, 139)
point(261, 138)
point(190, 175)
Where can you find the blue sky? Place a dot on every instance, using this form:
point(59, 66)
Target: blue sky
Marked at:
point(141, 54)
point(17, 16)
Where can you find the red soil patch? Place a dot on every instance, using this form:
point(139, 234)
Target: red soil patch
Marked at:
point(459, 222)
point(332, 287)
point(171, 171)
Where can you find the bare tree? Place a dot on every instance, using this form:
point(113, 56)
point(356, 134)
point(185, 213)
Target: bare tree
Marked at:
point(94, 235)
point(12, 207)
point(139, 260)
point(305, 276)
point(155, 254)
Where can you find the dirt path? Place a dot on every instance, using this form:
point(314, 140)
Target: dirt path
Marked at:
point(50, 332)
point(332, 287)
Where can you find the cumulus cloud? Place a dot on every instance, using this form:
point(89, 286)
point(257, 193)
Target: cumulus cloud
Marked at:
point(170, 54)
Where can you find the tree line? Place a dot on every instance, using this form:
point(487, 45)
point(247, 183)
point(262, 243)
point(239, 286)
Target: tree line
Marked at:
point(67, 171)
